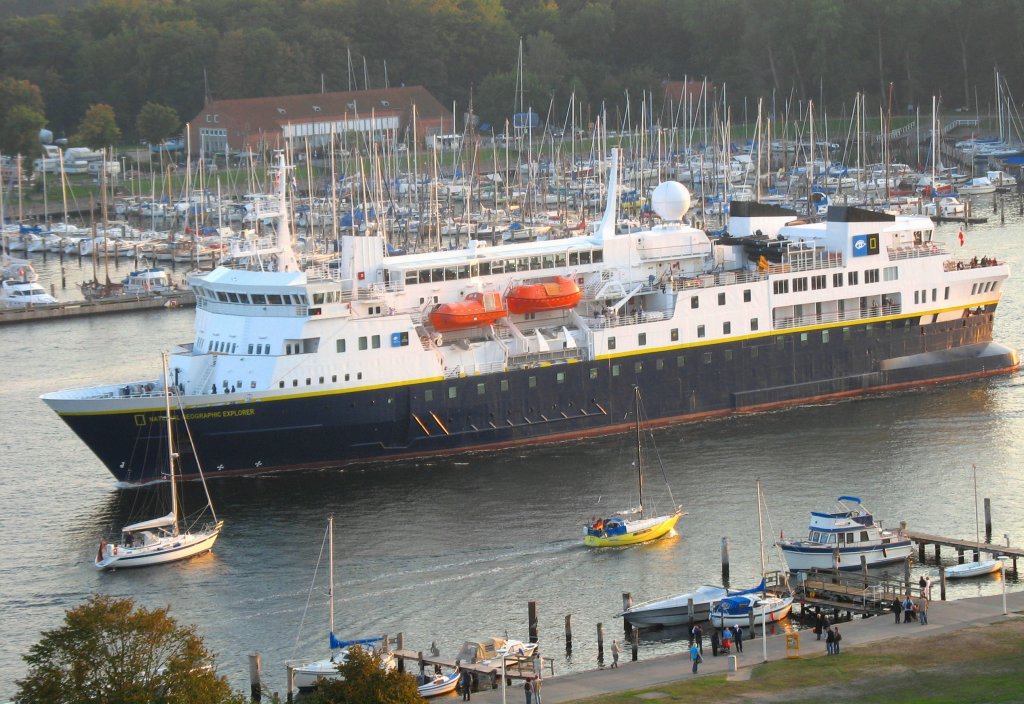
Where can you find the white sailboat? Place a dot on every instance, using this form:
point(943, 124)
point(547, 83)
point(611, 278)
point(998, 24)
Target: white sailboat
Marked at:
point(307, 674)
point(982, 567)
point(158, 540)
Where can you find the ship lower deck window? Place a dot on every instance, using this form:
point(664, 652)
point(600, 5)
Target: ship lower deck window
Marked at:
point(532, 382)
point(638, 367)
point(611, 343)
point(659, 364)
point(340, 345)
point(280, 384)
point(308, 381)
point(726, 328)
point(700, 331)
point(453, 392)
point(753, 324)
point(753, 353)
point(615, 370)
point(674, 334)
point(428, 395)
point(746, 295)
point(707, 358)
point(334, 378)
point(295, 382)
point(481, 389)
point(321, 380)
point(727, 355)
point(851, 278)
point(721, 299)
point(681, 361)
point(641, 339)
point(504, 385)
point(560, 378)
point(824, 336)
point(593, 373)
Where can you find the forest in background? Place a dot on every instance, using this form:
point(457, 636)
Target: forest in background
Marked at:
point(126, 53)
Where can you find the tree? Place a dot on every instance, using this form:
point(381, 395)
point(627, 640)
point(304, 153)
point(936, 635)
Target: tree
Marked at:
point(108, 650)
point(156, 122)
point(98, 127)
point(365, 680)
point(21, 116)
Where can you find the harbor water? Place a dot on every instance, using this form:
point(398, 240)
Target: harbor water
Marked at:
point(453, 549)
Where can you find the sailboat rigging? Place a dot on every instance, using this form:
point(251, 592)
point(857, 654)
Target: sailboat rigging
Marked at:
point(158, 540)
point(978, 568)
point(622, 528)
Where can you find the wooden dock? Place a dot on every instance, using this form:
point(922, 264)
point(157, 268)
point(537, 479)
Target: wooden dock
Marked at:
point(858, 592)
point(961, 546)
point(77, 309)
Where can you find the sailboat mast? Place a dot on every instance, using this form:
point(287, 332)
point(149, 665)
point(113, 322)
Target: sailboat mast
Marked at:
point(330, 568)
point(639, 455)
point(171, 454)
point(760, 525)
point(977, 525)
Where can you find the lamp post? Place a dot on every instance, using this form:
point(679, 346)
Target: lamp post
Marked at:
point(503, 680)
point(1002, 573)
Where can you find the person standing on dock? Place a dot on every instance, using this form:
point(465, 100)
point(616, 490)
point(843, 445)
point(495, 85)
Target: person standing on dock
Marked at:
point(830, 642)
point(897, 609)
point(714, 642)
point(908, 609)
point(615, 653)
point(695, 657)
point(738, 637)
point(836, 637)
point(466, 685)
point(698, 637)
point(922, 610)
point(817, 624)
point(528, 688)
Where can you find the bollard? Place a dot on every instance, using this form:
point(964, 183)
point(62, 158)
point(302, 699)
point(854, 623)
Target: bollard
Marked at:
point(733, 663)
point(725, 562)
point(600, 645)
point(635, 639)
point(401, 646)
point(864, 570)
point(988, 520)
point(255, 690)
point(942, 583)
point(423, 665)
point(960, 556)
point(531, 609)
point(291, 683)
point(938, 554)
point(627, 604)
point(568, 635)
point(906, 575)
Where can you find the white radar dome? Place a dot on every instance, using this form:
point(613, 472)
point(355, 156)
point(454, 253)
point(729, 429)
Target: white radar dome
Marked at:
point(670, 200)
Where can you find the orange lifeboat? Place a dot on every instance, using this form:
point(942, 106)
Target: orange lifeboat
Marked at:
point(478, 310)
point(558, 294)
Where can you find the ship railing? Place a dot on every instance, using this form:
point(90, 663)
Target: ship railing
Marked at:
point(932, 249)
point(682, 282)
point(615, 321)
point(807, 260)
point(474, 369)
point(838, 317)
point(960, 264)
point(533, 359)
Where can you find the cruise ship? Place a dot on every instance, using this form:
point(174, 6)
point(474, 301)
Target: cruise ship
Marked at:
point(370, 357)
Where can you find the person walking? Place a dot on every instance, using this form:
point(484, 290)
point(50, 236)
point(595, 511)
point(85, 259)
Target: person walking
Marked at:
point(817, 624)
point(528, 688)
point(830, 642)
point(897, 609)
point(714, 642)
point(738, 638)
point(615, 653)
point(537, 682)
point(727, 639)
point(698, 637)
point(466, 685)
point(908, 609)
point(695, 657)
point(922, 610)
point(836, 637)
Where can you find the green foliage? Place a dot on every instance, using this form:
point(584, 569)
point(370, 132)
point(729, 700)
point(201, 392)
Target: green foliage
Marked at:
point(156, 122)
point(98, 128)
point(364, 680)
point(21, 117)
point(110, 651)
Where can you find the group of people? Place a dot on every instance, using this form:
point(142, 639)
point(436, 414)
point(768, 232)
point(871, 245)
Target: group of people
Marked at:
point(722, 640)
point(912, 609)
point(822, 626)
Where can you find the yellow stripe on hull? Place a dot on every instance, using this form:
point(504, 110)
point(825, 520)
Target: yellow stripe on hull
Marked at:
point(641, 536)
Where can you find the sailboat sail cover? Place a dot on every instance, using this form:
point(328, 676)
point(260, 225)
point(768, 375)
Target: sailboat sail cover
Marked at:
point(336, 643)
point(161, 522)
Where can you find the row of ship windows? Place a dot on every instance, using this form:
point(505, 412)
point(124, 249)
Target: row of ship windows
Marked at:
point(801, 283)
point(641, 338)
point(833, 538)
point(372, 342)
point(309, 346)
point(497, 266)
point(616, 369)
point(260, 299)
point(984, 287)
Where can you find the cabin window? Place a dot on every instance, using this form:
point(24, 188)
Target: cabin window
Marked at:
point(340, 344)
point(917, 296)
point(308, 381)
point(746, 295)
point(232, 298)
point(295, 382)
point(694, 301)
point(362, 342)
point(851, 278)
point(947, 293)
point(321, 380)
point(560, 377)
point(707, 358)
point(726, 328)
point(250, 349)
point(824, 336)
point(753, 324)
point(481, 389)
point(611, 343)
point(273, 299)
point(890, 273)
point(674, 334)
point(851, 537)
point(280, 384)
point(780, 286)
point(700, 331)
point(727, 355)
point(681, 361)
point(453, 392)
point(334, 378)
point(935, 294)
point(721, 299)
point(428, 395)
point(800, 284)
point(259, 299)
point(818, 282)
point(863, 536)
point(221, 296)
point(615, 370)
point(593, 372)
point(638, 367)
point(347, 377)
point(837, 280)
point(871, 276)
point(803, 338)
point(375, 342)
point(846, 334)
point(641, 339)
point(504, 384)
point(532, 382)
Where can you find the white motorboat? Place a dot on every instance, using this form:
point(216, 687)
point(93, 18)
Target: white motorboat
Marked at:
point(676, 610)
point(842, 537)
point(159, 540)
point(974, 569)
point(439, 684)
point(485, 650)
point(22, 294)
point(977, 186)
point(307, 674)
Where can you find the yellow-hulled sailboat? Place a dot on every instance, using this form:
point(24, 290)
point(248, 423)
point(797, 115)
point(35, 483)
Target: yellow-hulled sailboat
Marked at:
point(632, 526)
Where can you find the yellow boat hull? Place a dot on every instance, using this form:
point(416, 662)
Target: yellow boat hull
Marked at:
point(655, 530)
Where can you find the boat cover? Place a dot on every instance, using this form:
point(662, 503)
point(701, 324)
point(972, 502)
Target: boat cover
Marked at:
point(161, 522)
point(477, 650)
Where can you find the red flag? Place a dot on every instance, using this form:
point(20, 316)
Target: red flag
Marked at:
point(961, 238)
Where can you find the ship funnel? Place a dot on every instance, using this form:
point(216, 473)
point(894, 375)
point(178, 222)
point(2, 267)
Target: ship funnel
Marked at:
point(286, 255)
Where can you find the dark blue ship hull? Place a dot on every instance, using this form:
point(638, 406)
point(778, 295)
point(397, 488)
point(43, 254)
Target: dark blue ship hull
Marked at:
point(556, 402)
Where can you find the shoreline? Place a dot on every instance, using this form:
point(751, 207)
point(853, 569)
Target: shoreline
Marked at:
point(944, 618)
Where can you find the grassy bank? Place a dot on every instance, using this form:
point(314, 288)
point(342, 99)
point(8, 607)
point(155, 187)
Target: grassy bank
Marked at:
point(976, 665)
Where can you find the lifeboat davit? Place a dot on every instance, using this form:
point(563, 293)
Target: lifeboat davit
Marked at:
point(478, 310)
point(559, 294)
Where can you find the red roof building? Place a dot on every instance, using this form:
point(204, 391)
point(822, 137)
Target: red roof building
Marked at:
point(380, 115)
